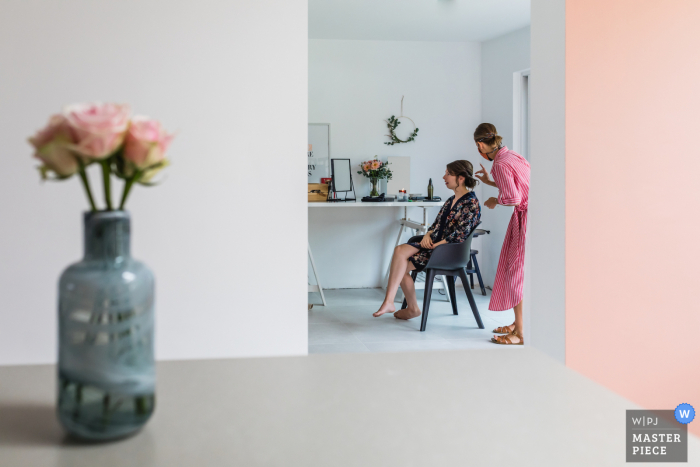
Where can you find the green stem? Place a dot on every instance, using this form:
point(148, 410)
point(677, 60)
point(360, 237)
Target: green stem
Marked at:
point(105, 177)
point(127, 188)
point(140, 404)
point(86, 185)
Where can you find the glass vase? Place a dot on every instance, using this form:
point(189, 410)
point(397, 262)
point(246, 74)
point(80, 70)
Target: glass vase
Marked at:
point(374, 192)
point(106, 367)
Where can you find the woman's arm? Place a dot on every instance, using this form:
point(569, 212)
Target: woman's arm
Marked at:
point(469, 216)
point(434, 226)
point(483, 175)
point(493, 202)
point(508, 194)
point(427, 242)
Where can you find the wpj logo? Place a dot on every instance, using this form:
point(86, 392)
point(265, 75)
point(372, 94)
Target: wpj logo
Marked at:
point(656, 436)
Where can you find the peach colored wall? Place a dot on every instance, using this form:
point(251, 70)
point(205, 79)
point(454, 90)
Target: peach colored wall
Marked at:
point(633, 198)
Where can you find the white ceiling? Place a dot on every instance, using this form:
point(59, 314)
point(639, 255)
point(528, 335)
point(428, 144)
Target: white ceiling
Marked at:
point(416, 20)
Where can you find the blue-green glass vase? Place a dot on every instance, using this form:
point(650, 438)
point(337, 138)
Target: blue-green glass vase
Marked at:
point(106, 367)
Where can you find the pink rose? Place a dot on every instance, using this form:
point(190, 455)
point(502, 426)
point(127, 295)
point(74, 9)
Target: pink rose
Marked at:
point(376, 165)
point(145, 146)
point(99, 128)
point(52, 147)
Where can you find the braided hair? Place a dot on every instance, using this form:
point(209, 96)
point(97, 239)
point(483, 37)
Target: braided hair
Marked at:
point(486, 133)
point(463, 169)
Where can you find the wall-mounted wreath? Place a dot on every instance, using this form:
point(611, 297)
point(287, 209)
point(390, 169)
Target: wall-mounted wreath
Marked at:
point(394, 122)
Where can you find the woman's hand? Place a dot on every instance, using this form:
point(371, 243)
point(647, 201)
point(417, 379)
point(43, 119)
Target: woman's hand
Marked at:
point(491, 202)
point(441, 242)
point(483, 175)
point(427, 242)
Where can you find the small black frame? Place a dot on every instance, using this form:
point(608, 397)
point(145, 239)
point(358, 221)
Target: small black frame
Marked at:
point(332, 191)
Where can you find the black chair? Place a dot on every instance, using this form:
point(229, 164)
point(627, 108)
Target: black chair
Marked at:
point(447, 260)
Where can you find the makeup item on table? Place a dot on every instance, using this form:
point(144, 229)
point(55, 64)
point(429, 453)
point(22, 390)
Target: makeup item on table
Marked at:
point(420, 197)
point(430, 189)
point(374, 199)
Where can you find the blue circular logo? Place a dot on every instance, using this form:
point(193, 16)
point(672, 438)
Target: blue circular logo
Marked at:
point(685, 413)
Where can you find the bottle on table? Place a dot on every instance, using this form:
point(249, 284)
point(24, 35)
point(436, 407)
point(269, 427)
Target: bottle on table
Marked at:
point(430, 189)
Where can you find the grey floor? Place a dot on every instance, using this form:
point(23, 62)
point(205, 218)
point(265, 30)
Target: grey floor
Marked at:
point(346, 324)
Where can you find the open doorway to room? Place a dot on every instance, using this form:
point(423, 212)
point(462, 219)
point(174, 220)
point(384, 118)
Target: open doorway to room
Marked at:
point(521, 113)
point(445, 67)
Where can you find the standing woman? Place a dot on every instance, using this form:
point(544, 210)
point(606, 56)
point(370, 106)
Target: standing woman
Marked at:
point(511, 175)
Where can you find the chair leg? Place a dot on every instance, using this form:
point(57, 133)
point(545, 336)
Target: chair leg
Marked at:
point(471, 276)
point(478, 275)
point(429, 277)
point(414, 274)
point(451, 290)
point(470, 297)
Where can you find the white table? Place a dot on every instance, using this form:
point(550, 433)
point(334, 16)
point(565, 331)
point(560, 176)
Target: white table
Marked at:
point(404, 223)
point(444, 408)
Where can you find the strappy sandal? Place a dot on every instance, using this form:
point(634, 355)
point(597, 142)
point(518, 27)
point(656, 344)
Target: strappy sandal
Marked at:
point(503, 330)
point(506, 340)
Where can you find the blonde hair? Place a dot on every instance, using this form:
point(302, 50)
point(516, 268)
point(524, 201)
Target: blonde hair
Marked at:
point(486, 133)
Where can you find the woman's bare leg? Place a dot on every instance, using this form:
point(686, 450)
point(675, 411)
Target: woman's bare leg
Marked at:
point(408, 287)
point(397, 271)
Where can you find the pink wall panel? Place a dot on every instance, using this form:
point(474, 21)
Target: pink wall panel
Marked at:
point(633, 197)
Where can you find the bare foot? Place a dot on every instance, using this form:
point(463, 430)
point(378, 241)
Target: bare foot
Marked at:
point(407, 313)
point(385, 308)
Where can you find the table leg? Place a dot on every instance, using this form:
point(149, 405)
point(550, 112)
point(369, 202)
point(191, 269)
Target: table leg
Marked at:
point(317, 287)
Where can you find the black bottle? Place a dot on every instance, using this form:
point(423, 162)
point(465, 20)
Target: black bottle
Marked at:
point(430, 189)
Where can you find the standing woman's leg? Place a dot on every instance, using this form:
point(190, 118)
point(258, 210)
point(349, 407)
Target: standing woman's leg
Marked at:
point(519, 318)
point(397, 271)
point(517, 324)
point(516, 335)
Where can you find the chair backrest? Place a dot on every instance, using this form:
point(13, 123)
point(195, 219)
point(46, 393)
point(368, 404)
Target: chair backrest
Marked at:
point(452, 256)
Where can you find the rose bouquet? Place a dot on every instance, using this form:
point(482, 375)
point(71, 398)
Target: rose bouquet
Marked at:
point(375, 170)
point(130, 148)
point(106, 386)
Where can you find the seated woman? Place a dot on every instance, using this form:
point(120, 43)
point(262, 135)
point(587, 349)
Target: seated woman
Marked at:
point(455, 221)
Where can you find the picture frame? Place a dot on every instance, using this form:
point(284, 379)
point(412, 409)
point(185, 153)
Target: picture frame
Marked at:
point(341, 181)
point(319, 152)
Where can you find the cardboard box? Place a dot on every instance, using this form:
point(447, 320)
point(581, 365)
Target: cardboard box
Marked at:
point(318, 192)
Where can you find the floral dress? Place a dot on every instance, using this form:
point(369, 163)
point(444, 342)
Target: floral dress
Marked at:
point(452, 224)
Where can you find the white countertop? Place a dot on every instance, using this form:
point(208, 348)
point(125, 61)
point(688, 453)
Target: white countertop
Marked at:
point(496, 407)
point(360, 204)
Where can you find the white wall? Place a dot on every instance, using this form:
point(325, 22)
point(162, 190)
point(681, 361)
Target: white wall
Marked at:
point(354, 86)
point(231, 77)
point(546, 207)
point(500, 58)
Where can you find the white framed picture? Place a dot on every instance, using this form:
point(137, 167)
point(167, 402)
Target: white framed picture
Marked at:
point(319, 153)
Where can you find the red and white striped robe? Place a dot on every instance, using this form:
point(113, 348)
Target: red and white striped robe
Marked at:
point(511, 172)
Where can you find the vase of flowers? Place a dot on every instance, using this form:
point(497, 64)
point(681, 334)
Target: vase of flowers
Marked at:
point(106, 366)
point(375, 170)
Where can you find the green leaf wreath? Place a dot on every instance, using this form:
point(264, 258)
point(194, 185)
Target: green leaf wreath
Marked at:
point(392, 123)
